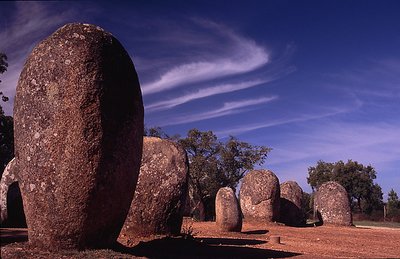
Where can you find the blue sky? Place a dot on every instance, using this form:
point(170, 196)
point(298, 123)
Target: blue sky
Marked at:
point(311, 79)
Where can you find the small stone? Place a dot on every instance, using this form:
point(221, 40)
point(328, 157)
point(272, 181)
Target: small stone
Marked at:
point(227, 211)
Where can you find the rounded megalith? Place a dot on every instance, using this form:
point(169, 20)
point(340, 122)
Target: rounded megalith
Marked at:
point(227, 211)
point(332, 205)
point(8, 178)
point(11, 206)
point(291, 212)
point(259, 196)
point(78, 125)
point(159, 200)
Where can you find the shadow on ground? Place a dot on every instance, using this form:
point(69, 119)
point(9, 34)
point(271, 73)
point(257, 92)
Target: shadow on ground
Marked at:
point(186, 248)
point(230, 241)
point(167, 247)
point(256, 232)
point(11, 235)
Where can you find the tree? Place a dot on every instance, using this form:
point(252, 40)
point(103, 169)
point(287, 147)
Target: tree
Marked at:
point(3, 68)
point(393, 204)
point(237, 158)
point(357, 179)
point(6, 125)
point(215, 164)
point(202, 149)
point(3, 63)
point(159, 133)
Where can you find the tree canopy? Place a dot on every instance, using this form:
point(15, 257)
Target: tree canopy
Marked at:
point(215, 164)
point(393, 204)
point(6, 125)
point(357, 179)
point(3, 63)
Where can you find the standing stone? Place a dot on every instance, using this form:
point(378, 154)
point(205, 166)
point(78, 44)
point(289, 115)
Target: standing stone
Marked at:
point(78, 120)
point(11, 205)
point(8, 177)
point(159, 200)
point(259, 196)
point(332, 204)
point(291, 212)
point(227, 211)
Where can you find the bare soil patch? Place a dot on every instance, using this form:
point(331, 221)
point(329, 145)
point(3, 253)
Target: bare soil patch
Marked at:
point(252, 242)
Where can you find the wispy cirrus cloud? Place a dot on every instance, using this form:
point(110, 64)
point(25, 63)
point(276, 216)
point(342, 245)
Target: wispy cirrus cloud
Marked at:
point(243, 55)
point(222, 88)
point(228, 108)
point(202, 93)
point(341, 141)
point(300, 118)
point(27, 23)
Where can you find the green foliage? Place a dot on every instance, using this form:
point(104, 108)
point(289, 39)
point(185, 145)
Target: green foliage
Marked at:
point(214, 164)
point(307, 204)
point(6, 125)
point(6, 141)
point(188, 231)
point(159, 133)
point(393, 205)
point(3, 68)
point(357, 179)
point(3, 63)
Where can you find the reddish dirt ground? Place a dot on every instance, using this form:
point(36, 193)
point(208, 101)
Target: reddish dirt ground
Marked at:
point(252, 242)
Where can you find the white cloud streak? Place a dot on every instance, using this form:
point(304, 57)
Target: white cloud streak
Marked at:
point(244, 55)
point(202, 93)
point(341, 141)
point(228, 108)
point(31, 22)
point(256, 126)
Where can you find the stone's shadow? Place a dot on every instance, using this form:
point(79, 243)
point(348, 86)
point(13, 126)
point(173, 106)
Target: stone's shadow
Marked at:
point(291, 215)
point(185, 248)
point(311, 225)
point(230, 241)
point(10, 235)
point(256, 232)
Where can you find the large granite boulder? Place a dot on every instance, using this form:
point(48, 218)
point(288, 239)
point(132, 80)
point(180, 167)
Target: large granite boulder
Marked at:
point(332, 204)
point(78, 119)
point(259, 196)
point(291, 212)
point(158, 204)
point(227, 211)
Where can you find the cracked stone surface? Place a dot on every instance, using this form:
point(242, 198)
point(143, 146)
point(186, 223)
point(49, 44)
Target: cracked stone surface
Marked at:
point(158, 203)
point(260, 196)
point(78, 119)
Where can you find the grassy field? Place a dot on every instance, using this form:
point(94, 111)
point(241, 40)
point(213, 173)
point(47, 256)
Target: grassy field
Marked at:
point(386, 224)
